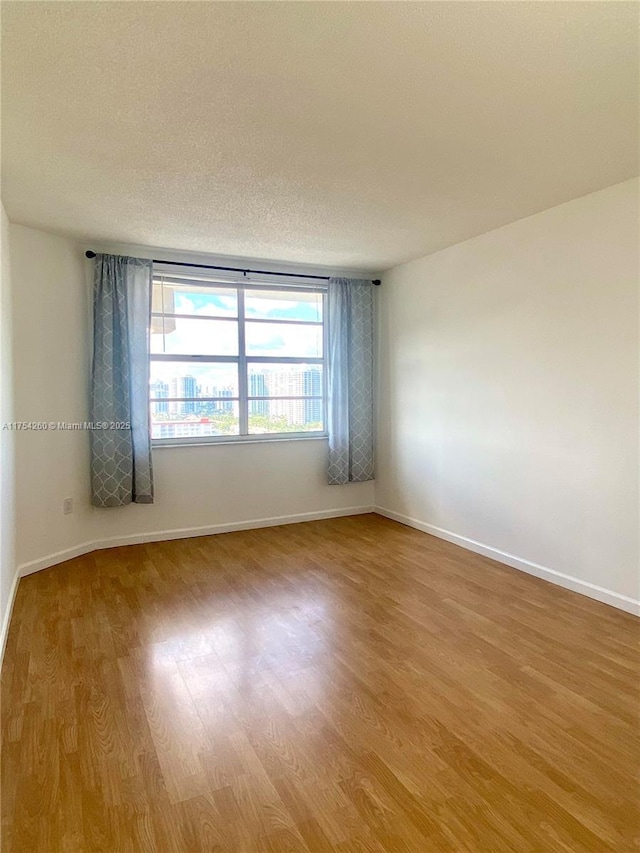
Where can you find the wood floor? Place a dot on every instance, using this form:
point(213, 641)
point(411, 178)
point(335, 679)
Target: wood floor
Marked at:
point(344, 685)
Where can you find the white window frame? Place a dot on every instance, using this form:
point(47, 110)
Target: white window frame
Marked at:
point(242, 360)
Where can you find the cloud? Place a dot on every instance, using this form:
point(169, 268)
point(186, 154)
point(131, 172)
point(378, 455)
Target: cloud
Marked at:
point(282, 309)
point(206, 304)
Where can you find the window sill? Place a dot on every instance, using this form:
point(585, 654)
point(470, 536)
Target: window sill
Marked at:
point(161, 444)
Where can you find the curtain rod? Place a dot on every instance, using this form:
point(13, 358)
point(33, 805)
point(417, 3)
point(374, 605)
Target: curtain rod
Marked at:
point(375, 281)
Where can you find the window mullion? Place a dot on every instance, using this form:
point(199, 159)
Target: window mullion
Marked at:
point(164, 328)
point(325, 371)
point(242, 367)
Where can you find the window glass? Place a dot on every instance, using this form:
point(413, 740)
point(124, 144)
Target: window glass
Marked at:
point(203, 386)
point(283, 305)
point(180, 336)
point(188, 379)
point(176, 423)
point(197, 300)
point(283, 340)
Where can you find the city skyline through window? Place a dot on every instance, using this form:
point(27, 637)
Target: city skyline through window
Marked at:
point(235, 360)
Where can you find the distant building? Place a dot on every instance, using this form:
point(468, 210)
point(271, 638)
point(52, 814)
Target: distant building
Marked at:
point(286, 383)
point(226, 407)
point(312, 387)
point(297, 383)
point(160, 390)
point(258, 388)
point(189, 388)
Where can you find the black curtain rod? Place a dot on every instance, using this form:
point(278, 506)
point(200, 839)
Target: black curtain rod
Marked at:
point(376, 281)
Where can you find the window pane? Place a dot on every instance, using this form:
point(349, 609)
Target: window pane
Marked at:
point(298, 381)
point(194, 337)
point(270, 416)
point(189, 425)
point(283, 305)
point(186, 379)
point(283, 339)
point(196, 299)
point(285, 380)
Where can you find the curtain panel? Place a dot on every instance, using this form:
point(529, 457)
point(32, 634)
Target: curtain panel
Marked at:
point(121, 469)
point(350, 366)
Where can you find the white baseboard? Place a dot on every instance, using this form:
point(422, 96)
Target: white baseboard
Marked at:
point(7, 616)
point(182, 533)
point(607, 596)
point(53, 559)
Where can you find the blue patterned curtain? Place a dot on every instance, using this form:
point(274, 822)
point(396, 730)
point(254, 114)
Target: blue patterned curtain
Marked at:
point(121, 470)
point(350, 309)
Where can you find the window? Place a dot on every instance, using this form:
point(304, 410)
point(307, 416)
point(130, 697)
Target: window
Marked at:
point(230, 361)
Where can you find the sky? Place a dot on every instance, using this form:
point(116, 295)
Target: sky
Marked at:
point(220, 336)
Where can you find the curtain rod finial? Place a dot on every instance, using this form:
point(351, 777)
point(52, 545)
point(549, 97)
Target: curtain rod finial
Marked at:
point(89, 254)
point(377, 282)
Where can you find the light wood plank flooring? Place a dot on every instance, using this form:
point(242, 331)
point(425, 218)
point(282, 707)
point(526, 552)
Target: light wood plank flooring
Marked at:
point(346, 685)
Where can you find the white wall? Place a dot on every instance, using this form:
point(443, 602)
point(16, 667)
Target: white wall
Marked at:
point(51, 371)
point(197, 488)
point(508, 392)
point(7, 489)
point(223, 485)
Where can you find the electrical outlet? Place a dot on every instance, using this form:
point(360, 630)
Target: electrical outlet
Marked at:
point(67, 506)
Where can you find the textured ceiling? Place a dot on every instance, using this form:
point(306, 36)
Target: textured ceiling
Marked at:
point(352, 134)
